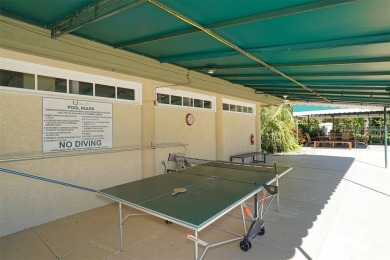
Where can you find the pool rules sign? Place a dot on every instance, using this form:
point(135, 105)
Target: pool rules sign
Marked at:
point(72, 125)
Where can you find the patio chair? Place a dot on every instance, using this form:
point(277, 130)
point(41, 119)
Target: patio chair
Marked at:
point(333, 136)
point(308, 139)
point(346, 137)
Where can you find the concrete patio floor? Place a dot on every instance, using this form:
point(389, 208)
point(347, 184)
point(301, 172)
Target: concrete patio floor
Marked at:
point(334, 205)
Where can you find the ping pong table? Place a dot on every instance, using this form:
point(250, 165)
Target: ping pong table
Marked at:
point(213, 188)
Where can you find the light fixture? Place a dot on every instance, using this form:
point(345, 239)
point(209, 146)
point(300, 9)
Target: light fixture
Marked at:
point(211, 71)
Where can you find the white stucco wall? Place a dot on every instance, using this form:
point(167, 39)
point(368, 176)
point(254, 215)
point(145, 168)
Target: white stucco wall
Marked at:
point(236, 134)
point(171, 127)
point(27, 202)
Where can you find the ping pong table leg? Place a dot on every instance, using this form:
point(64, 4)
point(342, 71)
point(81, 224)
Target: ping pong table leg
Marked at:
point(256, 207)
point(120, 226)
point(196, 245)
point(243, 217)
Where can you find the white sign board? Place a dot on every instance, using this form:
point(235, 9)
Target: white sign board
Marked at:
point(72, 125)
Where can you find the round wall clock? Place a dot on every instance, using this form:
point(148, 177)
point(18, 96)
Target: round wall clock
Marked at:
point(190, 119)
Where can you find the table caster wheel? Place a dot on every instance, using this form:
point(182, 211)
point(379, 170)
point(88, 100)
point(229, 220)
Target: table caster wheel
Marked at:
point(262, 231)
point(245, 245)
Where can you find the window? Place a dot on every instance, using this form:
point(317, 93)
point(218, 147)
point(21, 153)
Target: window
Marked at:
point(81, 88)
point(237, 106)
point(104, 91)
point(52, 84)
point(17, 79)
point(175, 97)
point(26, 76)
point(163, 99)
point(198, 103)
point(188, 102)
point(125, 93)
point(225, 107)
point(207, 104)
point(176, 100)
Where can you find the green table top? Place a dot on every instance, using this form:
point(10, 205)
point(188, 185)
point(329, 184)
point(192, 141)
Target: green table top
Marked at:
point(212, 189)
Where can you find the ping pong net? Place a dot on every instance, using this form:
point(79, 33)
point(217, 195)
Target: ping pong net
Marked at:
point(178, 162)
point(259, 175)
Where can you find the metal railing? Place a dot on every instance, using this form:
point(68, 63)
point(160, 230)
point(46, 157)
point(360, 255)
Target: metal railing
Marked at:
point(377, 131)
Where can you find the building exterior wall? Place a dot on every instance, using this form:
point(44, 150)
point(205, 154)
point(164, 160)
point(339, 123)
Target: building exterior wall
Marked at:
point(27, 202)
point(171, 127)
point(237, 132)
point(136, 128)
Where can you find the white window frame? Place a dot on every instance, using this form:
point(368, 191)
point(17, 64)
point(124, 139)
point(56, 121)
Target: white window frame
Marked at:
point(239, 103)
point(187, 94)
point(43, 70)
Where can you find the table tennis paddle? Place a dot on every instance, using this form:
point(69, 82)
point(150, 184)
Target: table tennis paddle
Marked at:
point(178, 190)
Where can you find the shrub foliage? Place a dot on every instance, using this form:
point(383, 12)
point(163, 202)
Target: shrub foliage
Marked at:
point(278, 129)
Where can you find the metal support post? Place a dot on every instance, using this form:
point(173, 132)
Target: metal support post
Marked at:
point(196, 244)
point(308, 124)
point(256, 208)
point(385, 134)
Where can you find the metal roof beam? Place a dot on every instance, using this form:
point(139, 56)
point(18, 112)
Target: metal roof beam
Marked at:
point(296, 64)
point(344, 92)
point(243, 20)
point(324, 86)
point(335, 62)
point(346, 42)
point(350, 114)
point(363, 40)
point(325, 74)
point(91, 14)
point(329, 94)
point(335, 89)
point(365, 100)
point(360, 99)
point(335, 99)
point(385, 83)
